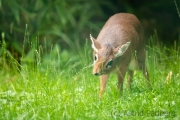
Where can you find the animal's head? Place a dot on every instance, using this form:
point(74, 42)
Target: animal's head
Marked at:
point(105, 56)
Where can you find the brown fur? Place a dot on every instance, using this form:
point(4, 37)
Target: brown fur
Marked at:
point(117, 31)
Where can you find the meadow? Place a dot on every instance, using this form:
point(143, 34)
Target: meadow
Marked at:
point(52, 84)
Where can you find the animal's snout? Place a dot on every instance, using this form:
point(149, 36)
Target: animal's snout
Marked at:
point(96, 70)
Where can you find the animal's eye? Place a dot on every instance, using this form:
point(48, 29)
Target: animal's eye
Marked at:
point(109, 63)
point(95, 57)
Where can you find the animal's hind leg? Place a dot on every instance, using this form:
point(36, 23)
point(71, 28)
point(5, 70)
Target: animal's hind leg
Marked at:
point(141, 55)
point(130, 77)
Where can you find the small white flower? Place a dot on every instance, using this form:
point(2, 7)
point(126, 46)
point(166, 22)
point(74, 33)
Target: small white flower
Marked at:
point(80, 89)
point(155, 99)
point(166, 102)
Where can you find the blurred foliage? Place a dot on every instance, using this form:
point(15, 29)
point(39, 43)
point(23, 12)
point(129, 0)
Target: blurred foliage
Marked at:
point(27, 25)
point(68, 23)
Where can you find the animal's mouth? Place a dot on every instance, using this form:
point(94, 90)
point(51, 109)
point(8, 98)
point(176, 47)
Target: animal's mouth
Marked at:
point(96, 74)
point(99, 74)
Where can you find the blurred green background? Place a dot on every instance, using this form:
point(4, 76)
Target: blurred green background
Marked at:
point(68, 23)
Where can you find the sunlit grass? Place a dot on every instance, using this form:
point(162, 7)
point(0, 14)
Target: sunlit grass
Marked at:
point(61, 86)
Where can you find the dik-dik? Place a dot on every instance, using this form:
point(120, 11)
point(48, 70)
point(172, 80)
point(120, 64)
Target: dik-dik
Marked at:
point(120, 40)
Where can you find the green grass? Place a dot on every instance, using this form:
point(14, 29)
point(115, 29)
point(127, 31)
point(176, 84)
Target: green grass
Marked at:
point(59, 85)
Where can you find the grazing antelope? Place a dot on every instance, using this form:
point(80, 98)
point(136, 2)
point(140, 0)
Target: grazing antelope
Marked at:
point(120, 40)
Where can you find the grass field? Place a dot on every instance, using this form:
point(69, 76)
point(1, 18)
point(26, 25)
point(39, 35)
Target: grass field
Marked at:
point(59, 85)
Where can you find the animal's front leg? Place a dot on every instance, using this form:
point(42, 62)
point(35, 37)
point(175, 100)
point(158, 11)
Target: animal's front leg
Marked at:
point(103, 81)
point(120, 74)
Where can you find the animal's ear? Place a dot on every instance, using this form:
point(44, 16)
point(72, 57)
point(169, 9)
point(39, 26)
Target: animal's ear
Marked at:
point(95, 45)
point(119, 51)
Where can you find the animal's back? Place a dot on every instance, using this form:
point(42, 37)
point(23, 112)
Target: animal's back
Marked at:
point(119, 29)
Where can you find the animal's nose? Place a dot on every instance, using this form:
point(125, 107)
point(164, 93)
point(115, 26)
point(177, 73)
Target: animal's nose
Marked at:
point(96, 74)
